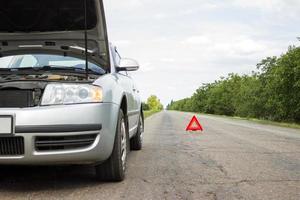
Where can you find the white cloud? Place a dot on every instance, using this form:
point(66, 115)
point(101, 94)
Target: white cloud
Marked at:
point(146, 67)
point(168, 60)
point(160, 16)
point(196, 40)
point(274, 5)
point(121, 4)
point(285, 8)
point(249, 46)
point(122, 42)
point(263, 4)
point(205, 6)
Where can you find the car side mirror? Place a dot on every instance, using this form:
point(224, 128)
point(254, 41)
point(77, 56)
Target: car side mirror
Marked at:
point(127, 64)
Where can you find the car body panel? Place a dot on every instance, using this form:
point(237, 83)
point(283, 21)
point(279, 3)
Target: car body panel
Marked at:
point(105, 114)
point(115, 87)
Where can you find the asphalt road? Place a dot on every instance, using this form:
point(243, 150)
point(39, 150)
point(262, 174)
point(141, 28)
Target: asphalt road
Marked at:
point(231, 159)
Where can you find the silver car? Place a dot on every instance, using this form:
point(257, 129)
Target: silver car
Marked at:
point(65, 93)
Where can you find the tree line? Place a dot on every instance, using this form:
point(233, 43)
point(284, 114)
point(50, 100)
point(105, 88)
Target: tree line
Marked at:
point(153, 104)
point(271, 92)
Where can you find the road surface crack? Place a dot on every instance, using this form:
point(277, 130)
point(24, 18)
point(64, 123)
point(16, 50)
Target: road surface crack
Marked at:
point(222, 169)
point(213, 195)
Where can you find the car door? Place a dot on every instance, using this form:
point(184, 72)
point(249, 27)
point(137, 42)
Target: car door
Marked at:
point(131, 93)
point(138, 101)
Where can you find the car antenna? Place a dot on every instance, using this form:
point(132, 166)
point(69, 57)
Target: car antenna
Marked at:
point(86, 41)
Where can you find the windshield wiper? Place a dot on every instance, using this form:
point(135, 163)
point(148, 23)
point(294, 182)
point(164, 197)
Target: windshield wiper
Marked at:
point(68, 69)
point(48, 68)
point(23, 70)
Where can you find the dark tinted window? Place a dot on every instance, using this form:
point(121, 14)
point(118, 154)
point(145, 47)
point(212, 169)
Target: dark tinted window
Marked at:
point(45, 15)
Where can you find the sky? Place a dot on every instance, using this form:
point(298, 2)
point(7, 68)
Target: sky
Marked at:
point(182, 44)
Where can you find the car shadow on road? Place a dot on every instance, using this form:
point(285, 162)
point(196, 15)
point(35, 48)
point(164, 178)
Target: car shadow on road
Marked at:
point(32, 179)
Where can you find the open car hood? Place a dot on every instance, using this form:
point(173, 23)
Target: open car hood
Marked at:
point(54, 27)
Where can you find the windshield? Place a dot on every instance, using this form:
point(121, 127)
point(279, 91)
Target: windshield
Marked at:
point(46, 15)
point(41, 60)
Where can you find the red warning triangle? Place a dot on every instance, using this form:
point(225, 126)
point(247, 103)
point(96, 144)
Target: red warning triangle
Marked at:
point(194, 125)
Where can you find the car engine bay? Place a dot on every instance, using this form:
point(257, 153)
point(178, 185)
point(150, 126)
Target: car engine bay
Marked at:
point(22, 91)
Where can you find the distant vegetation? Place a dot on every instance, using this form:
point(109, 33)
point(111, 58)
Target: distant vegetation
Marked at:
point(272, 92)
point(152, 106)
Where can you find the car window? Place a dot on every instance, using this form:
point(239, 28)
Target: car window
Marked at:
point(40, 60)
point(28, 61)
point(5, 61)
point(68, 63)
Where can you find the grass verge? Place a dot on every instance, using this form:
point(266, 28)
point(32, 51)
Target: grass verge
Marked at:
point(148, 113)
point(261, 121)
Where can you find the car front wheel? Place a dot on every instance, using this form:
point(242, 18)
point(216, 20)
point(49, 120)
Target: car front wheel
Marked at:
point(114, 168)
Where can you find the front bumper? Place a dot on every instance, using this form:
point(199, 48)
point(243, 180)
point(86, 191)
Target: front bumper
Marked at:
point(99, 120)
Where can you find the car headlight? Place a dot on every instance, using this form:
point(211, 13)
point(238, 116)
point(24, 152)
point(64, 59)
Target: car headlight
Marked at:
point(59, 94)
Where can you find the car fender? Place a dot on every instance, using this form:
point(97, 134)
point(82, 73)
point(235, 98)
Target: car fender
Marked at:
point(112, 93)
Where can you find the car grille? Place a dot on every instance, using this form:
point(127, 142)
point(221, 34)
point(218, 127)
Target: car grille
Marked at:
point(16, 98)
point(11, 146)
point(45, 143)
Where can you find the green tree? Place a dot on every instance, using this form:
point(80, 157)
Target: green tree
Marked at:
point(154, 103)
point(273, 92)
point(145, 106)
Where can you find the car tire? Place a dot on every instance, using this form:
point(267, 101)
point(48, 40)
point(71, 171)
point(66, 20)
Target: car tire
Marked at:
point(114, 168)
point(136, 143)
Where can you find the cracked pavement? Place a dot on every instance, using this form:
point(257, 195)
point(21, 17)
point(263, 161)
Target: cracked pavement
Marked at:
point(231, 159)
